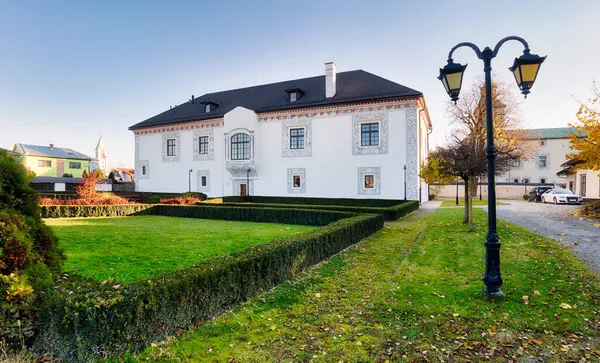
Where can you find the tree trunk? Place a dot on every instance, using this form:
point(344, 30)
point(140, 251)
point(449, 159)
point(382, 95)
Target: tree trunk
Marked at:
point(466, 198)
point(472, 193)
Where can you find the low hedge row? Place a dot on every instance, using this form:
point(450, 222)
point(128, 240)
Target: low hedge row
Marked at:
point(83, 319)
point(389, 213)
point(348, 202)
point(71, 211)
point(235, 212)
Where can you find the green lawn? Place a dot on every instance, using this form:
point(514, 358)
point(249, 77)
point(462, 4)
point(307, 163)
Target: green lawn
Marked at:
point(461, 202)
point(132, 248)
point(412, 292)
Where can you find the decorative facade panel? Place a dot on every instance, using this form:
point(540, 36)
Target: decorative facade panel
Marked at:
point(367, 117)
point(199, 175)
point(301, 172)
point(171, 158)
point(139, 169)
point(210, 133)
point(412, 156)
point(376, 173)
point(286, 125)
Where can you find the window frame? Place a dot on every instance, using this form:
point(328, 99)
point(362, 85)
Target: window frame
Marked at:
point(370, 133)
point(300, 140)
point(144, 170)
point(171, 148)
point(203, 145)
point(203, 180)
point(71, 163)
point(582, 185)
point(293, 96)
point(207, 108)
point(42, 163)
point(543, 180)
point(366, 183)
point(240, 149)
point(545, 159)
point(542, 142)
point(299, 177)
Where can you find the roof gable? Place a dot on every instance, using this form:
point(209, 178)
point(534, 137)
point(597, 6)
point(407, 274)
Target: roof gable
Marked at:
point(352, 86)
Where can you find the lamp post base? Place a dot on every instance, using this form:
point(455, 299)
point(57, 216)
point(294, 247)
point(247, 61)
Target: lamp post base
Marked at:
point(498, 293)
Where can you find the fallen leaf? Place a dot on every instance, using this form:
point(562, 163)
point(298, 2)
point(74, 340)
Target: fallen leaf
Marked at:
point(565, 306)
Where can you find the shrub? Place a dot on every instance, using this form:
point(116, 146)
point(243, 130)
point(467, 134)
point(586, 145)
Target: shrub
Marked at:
point(390, 213)
point(72, 211)
point(431, 196)
point(525, 197)
point(67, 175)
point(155, 199)
point(183, 200)
point(28, 254)
point(349, 202)
point(86, 194)
point(591, 210)
point(102, 319)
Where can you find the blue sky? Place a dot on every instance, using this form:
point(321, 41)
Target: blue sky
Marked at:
point(73, 70)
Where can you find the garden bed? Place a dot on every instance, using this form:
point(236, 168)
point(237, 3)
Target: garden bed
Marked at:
point(85, 319)
point(133, 248)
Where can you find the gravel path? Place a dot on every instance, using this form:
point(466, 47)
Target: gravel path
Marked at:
point(557, 222)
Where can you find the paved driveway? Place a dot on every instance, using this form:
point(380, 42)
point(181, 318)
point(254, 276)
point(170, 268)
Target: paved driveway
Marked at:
point(556, 221)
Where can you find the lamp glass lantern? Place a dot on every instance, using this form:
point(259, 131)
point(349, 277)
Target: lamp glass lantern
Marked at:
point(451, 76)
point(525, 69)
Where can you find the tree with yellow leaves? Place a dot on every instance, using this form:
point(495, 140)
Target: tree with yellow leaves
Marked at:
point(586, 142)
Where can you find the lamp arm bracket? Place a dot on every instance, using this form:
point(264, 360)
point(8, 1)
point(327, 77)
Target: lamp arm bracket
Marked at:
point(465, 44)
point(513, 37)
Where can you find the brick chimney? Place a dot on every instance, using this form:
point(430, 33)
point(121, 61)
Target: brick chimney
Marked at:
point(330, 75)
point(51, 146)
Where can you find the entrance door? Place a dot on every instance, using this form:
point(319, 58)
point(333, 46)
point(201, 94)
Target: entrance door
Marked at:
point(243, 191)
point(60, 167)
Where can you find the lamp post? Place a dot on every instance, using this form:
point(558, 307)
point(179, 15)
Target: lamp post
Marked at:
point(480, 197)
point(190, 181)
point(525, 70)
point(248, 185)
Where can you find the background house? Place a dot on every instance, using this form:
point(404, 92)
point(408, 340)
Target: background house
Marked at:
point(50, 161)
point(351, 134)
point(583, 182)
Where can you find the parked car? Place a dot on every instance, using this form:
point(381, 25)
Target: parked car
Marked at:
point(535, 194)
point(561, 196)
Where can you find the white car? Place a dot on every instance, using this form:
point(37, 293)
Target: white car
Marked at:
point(561, 196)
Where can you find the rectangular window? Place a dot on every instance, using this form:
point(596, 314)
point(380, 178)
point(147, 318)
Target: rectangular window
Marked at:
point(297, 181)
point(369, 181)
point(516, 163)
point(171, 147)
point(203, 145)
point(543, 180)
point(207, 108)
point(542, 161)
point(526, 180)
point(515, 180)
point(144, 171)
point(297, 138)
point(543, 143)
point(582, 185)
point(45, 163)
point(369, 134)
point(293, 97)
point(240, 147)
point(203, 180)
point(74, 165)
point(571, 186)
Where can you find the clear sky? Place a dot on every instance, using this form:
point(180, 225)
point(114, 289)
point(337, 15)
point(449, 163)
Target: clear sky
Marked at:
point(71, 71)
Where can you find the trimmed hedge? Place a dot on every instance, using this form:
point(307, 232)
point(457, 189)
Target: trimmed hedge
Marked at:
point(83, 319)
point(389, 213)
point(348, 202)
point(286, 215)
point(72, 211)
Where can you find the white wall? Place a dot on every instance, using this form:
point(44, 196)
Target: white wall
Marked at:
point(592, 184)
point(554, 149)
point(331, 170)
point(502, 191)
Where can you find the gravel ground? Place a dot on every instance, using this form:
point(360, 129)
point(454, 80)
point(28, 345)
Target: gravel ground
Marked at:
point(557, 222)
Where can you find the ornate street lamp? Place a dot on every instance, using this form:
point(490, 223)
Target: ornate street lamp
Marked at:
point(525, 70)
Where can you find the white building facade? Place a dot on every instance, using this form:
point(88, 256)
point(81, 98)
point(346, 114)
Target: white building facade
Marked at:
point(548, 148)
point(313, 137)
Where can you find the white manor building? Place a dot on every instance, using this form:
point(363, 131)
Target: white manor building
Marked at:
point(346, 135)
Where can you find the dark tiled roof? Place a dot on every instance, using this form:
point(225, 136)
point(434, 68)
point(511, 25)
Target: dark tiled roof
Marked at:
point(55, 152)
point(550, 133)
point(353, 86)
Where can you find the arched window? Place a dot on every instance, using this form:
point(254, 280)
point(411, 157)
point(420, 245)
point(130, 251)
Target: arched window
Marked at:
point(240, 147)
